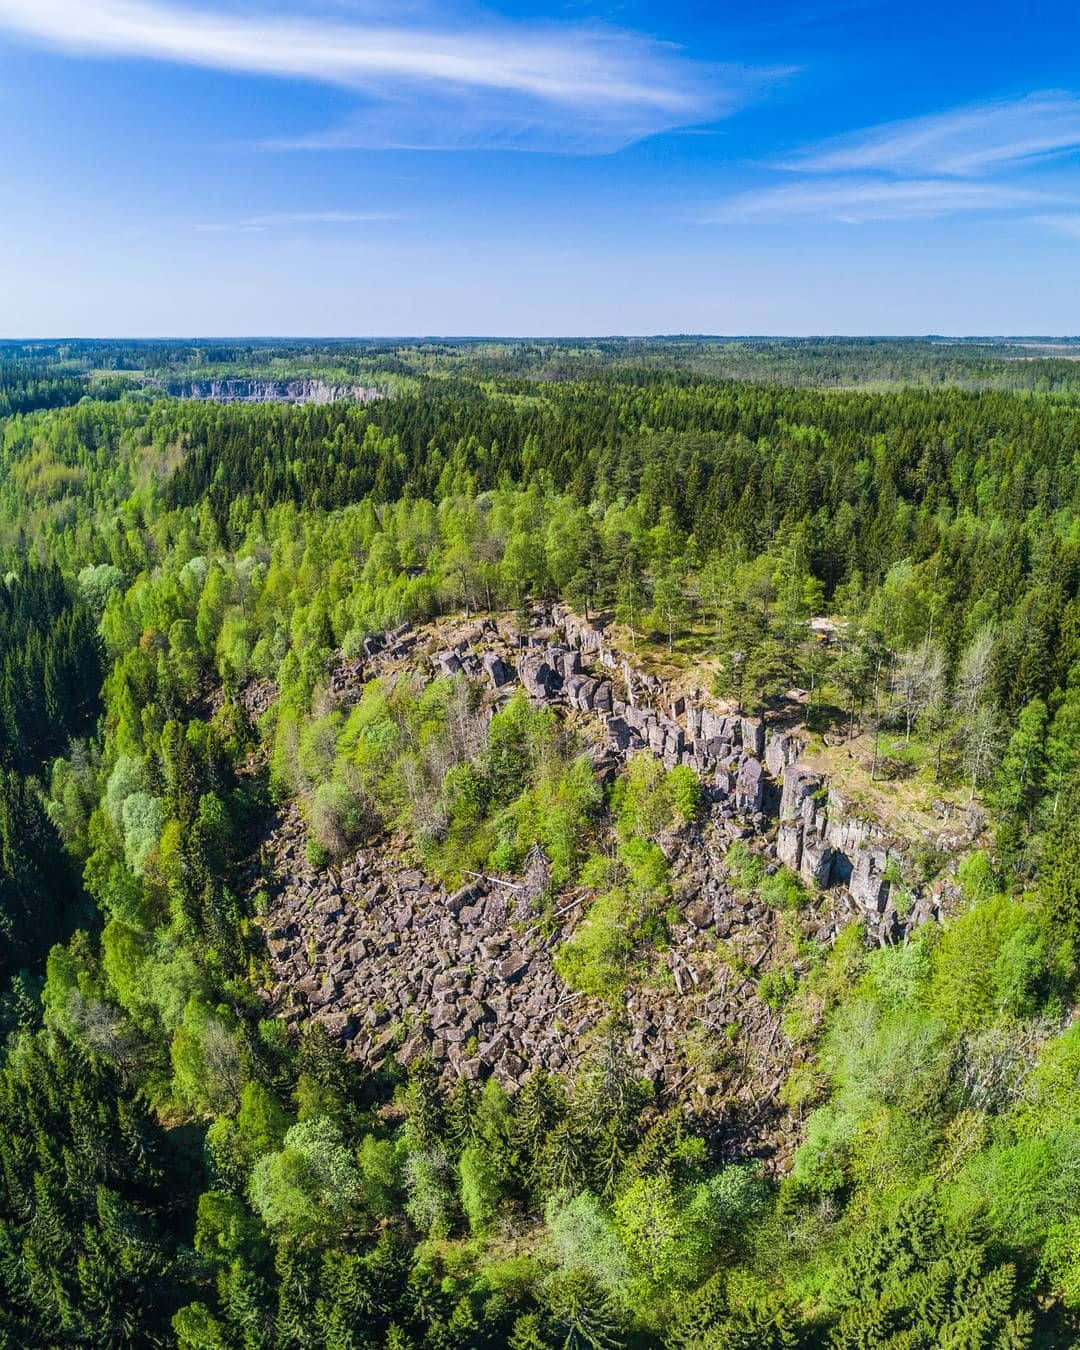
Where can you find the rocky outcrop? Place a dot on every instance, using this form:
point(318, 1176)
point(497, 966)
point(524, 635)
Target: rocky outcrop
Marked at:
point(388, 961)
point(392, 963)
point(567, 663)
point(821, 836)
point(752, 772)
point(799, 844)
point(265, 391)
point(498, 672)
point(781, 749)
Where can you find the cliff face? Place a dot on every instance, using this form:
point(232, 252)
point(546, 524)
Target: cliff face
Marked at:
point(755, 774)
point(266, 391)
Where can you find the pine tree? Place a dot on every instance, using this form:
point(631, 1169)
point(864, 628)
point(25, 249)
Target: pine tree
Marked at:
point(461, 1122)
point(914, 1282)
point(424, 1101)
point(1021, 779)
point(538, 1108)
point(582, 1313)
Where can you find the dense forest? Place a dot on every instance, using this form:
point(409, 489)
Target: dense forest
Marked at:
point(1047, 365)
point(177, 1168)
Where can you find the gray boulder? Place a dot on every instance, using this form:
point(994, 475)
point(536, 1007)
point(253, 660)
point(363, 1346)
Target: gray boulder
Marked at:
point(798, 799)
point(750, 787)
point(789, 844)
point(537, 676)
point(497, 671)
point(753, 736)
point(868, 886)
point(815, 866)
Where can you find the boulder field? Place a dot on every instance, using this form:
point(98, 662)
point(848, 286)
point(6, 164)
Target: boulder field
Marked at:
point(390, 962)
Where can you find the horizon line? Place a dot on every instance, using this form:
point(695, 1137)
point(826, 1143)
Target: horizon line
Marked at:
point(197, 339)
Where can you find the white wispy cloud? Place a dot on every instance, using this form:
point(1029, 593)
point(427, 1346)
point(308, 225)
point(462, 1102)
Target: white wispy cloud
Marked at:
point(855, 201)
point(258, 224)
point(1061, 224)
point(975, 159)
point(966, 142)
point(531, 86)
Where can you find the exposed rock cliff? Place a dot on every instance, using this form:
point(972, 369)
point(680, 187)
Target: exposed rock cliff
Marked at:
point(388, 961)
point(265, 391)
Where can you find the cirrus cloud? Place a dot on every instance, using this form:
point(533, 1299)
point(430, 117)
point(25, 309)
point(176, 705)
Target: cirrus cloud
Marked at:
point(976, 159)
point(854, 201)
point(964, 142)
point(260, 224)
point(423, 84)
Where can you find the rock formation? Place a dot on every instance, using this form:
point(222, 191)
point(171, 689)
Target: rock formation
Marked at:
point(265, 391)
point(389, 962)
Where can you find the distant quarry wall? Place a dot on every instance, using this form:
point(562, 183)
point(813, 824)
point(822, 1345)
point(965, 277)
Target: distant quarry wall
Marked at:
point(265, 391)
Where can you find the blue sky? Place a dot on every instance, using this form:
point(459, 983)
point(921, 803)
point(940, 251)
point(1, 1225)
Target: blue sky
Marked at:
point(352, 167)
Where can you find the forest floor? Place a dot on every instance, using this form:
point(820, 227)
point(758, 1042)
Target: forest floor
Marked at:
point(895, 784)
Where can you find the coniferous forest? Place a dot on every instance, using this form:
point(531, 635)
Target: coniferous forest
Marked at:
point(234, 581)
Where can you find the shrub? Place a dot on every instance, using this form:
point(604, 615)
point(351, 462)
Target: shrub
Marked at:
point(746, 868)
point(583, 1236)
point(467, 795)
point(595, 960)
point(317, 854)
point(310, 1188)
point(776, 986)
point(336, 816)
point(317, 748)
point(822, 1158)
point(685, 793)
point(481, 1187)
point(1051, 1099)
point(783, 890)
point(987, 961)
point(649, 800)
point(646, 864)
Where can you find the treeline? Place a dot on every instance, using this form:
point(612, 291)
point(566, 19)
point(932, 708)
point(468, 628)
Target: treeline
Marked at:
point(51, 670)
point(51, 666)
point(28, 386)
point(98, 1250)
point(974, 492)
point(1045, 365)
point(720, 457)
